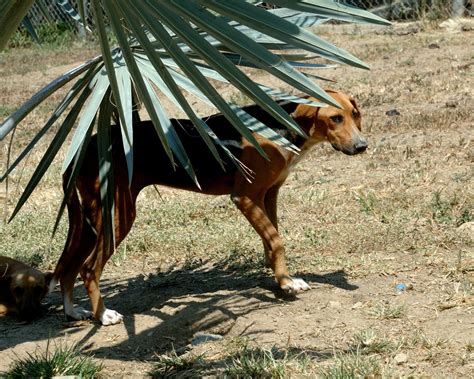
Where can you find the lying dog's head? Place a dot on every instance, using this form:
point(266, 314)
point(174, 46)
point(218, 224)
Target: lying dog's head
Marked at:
point(22, 288)
point(340, 127)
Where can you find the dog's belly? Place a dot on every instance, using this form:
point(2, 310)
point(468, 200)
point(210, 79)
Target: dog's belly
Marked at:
point(212, 180)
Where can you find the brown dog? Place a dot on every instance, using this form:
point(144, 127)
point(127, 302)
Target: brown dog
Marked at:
point(257, 199)
point(21, 289)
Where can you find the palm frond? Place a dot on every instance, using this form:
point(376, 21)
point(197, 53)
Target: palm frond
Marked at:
point(177, 49)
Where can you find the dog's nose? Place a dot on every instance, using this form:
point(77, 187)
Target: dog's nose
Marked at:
point(360, 146)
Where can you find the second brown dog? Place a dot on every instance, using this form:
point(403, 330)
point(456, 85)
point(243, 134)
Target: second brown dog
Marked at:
point(21, 289)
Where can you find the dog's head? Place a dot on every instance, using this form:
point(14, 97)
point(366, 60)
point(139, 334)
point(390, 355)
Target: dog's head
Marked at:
point(340, 127)
point(27, 289)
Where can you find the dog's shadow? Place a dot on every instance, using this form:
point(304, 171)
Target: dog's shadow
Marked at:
point(173, 306)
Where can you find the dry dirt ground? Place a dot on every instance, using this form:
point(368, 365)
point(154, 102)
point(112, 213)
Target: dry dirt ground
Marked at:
point(354, 228)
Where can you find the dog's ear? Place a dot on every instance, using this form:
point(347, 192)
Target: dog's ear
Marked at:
point(354, 104)
point(305, 116)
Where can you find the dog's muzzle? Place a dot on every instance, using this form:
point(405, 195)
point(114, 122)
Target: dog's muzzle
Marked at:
point(359, 147)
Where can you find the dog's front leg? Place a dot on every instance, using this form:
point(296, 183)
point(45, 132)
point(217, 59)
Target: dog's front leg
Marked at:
point(253, 209)
point(270, 202)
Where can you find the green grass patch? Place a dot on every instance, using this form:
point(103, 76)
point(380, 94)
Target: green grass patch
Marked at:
point(28, 238)
point(63, 361)
point(450, 210)
point(354, 366)
point(369, 342)
point(387, 311)
point(367, 202)
point(52, 35)
point(237, 360)
point(174, 366)
point(257, 363)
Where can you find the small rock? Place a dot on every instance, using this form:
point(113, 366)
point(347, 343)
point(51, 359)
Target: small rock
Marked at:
point(334, 304)
point(433, 46)
point(451, 104)
point(392, 112)
point(457, 25)
point(201, 338)
point(400, 358)
point(451, 26)
point(467, 27)
point(357, 305)
point(467, 230)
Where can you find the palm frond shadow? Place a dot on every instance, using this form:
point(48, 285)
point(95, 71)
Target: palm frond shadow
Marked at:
point(206, 299)
point(180, 303)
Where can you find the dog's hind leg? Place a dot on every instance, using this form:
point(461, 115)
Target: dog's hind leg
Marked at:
point(79, 245)
point(91, 270)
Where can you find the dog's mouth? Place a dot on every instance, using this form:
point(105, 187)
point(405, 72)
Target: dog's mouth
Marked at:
point(355, 149)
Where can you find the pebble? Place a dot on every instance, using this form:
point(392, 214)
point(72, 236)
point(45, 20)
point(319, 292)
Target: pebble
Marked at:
point(201, 338)
point(392, 112)
point(400, 358)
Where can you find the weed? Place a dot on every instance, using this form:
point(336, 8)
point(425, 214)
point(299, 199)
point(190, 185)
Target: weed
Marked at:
point(64, 361)
point(368, 342)
point(239, 361)
point(35, 260)
point(244, 361)
point(5, 111)
point(422, 340)
point(387, 311)
point(367, 202)
point(432, 343)
point(470, 347)
point(50, 34)
point(450, 211)
point(315, 237)
point(257, 363)
point(174, 366)
point(354, 366)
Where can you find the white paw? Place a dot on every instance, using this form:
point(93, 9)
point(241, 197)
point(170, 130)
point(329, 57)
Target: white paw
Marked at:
point(296, 285)
point(111, 317)
point(80, 314)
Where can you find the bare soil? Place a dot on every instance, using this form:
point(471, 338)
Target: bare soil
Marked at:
point(354, 228)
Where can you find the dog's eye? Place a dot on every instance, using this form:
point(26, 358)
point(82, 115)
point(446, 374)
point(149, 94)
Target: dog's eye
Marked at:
point(18, 291)
point(337, 119)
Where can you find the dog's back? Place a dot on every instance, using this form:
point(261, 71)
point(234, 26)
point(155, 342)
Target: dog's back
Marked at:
point(152, 165)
